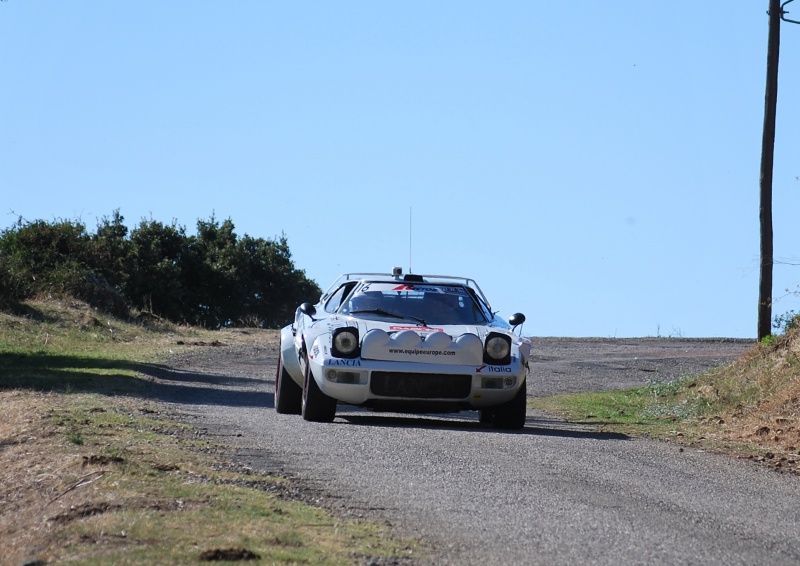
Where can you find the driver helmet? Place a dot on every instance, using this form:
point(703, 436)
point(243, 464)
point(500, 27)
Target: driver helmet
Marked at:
point(366, 301)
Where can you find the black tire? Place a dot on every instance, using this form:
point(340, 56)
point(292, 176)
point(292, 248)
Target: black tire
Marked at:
point(316, 406)
point(288, 395)
point(511, 415)
point(486, 416)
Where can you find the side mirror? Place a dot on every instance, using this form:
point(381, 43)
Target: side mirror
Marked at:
point(309, 310)
point(516, 319)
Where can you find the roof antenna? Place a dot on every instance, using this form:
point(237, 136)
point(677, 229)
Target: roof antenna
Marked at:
point(409, 239)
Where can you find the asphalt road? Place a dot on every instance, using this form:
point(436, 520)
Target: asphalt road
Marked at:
point(553, 493)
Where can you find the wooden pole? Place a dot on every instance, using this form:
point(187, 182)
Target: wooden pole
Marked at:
point(765, 181)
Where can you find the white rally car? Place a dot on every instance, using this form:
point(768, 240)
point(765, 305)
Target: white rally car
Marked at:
point(406, 343)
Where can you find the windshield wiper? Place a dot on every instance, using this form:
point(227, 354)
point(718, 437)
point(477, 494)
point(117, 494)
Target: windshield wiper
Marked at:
point(390, 314)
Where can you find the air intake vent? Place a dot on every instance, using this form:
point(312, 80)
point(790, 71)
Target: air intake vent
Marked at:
point(420, 385)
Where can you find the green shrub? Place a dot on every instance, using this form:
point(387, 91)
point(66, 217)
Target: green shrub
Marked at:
point(786, 322)
point(213, 279)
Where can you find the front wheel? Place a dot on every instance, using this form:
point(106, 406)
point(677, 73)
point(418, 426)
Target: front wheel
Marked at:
point(316, 406)
point(288, 395)
point(511, 415)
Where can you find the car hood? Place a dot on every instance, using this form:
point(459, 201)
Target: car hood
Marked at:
point(444, 344)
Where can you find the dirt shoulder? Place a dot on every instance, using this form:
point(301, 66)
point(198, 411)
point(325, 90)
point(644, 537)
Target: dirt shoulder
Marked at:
point(574, 365)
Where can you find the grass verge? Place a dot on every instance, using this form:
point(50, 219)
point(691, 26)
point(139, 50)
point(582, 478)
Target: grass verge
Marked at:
point(749, 408)
point(94, 473)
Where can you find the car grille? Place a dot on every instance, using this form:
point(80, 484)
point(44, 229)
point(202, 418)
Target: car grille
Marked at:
point(420, 385)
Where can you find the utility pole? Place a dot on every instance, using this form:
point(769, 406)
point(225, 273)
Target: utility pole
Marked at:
point(765, 179)
point(776, 15)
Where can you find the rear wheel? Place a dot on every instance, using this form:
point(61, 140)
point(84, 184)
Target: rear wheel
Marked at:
point(511, 415)
point(288, 395)
point(316, 406)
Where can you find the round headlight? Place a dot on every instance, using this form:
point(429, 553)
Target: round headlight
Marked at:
point(345, 342)
point(497, 348)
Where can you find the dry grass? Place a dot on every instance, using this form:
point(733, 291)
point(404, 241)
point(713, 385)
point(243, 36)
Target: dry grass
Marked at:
point(753, 405)
point(92, 476)
point(33, 473)
point(749, 408)
point(139, 490)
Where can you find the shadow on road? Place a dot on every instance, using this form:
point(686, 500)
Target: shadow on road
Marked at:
point(73, 374)
point(206, 389)
point(533, 426)
point(186, 394)
point(80, 374)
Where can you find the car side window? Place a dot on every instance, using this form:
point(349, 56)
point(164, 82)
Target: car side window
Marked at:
point(480, 312)
point(338, 297)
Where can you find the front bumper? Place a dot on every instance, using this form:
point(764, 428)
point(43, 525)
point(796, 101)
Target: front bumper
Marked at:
point(358, 381)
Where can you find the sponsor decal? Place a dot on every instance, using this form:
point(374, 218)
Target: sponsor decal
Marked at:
point(343, 362)
point(430, 289)
point(398, 327)
point(314, 352)
point(419, 352)
point(454, 290)
point(493, 369)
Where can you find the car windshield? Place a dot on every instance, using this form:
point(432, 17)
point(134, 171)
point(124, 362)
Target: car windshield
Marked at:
point(420, 303)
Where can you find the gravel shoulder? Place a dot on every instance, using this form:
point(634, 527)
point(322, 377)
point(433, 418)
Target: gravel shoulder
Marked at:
point(553, 493)
point(573, 365)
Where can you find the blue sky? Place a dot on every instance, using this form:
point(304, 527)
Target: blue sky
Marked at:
point(594, 165)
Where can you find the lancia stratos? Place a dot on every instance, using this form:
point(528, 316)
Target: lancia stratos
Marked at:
point(403, 343)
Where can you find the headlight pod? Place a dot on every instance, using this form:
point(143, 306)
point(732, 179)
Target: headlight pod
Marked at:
point(345, 342)
point(497, 349)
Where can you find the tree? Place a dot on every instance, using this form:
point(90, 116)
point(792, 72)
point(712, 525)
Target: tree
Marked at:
point(218, 272)
point(111, 248)
point(157, 256)
point(274, 286)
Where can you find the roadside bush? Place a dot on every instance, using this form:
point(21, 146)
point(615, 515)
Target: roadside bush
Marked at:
point(10, 285)
point(154, 282)
point(97, 293)
point(786, 322)
point(43, 258)
point(111, 251)
point(214, 279)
